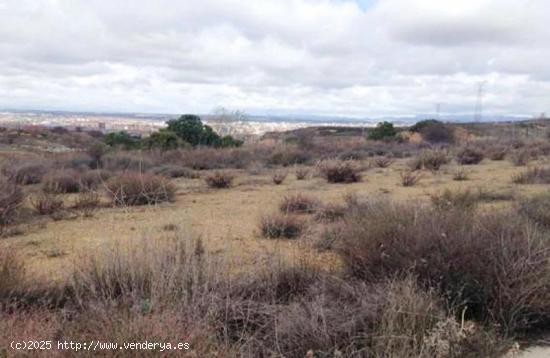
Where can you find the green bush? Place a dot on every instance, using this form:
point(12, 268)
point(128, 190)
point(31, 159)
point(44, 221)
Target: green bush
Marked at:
point(382, 130)
point(122, 139)
point(190, 129)
point(164, 140)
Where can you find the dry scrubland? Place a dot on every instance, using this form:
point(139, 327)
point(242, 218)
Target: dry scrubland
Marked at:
point(301, 245)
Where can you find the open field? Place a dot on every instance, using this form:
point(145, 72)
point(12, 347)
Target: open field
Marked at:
point(273, 247)
point(228, 220)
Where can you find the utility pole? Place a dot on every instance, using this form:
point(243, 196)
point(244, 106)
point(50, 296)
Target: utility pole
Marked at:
point(478, 111)
point(437, 110)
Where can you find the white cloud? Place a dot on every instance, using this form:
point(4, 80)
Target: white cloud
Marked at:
point(316, 56)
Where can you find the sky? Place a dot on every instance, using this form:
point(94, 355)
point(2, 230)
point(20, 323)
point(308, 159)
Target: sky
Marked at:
point(360, 58)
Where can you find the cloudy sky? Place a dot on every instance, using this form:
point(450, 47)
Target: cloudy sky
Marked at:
point(337, 57)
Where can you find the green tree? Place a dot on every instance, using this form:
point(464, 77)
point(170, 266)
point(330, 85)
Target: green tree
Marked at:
point(382, 130)
point(163, 139)
point(121, 139)
point(190, 128)
point(229, 141)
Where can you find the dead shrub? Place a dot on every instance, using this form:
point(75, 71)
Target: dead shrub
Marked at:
point(330, 212)
point(469, 156)
point(429, 160)
point(520, 157)
point(175, 171)
point(92, 179)
point(278, 177)
point(46, 203)
point(148, 270)
point(534, 175)
point(133, 188)
point(383, 162)
point(25, 174)
point(536, 208)
point(219, 180)
point(336, 171)
point(496, 266)
point(460, 174)
point(277, 226)
point(410, 178)
point(497, 153)
point(301, 173)
point(299, 203)
point(62, 181)
point(126, 161)
point(11, 198)
point(289, 155)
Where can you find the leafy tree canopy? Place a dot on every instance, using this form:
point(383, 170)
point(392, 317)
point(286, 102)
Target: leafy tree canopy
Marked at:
point(382, 130)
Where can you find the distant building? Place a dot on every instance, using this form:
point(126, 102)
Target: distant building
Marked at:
point(101, 126)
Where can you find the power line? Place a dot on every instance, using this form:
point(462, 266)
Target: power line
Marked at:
point(478, 111)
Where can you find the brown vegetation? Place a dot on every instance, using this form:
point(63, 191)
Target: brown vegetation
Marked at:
point(133, 188)
point(337, 171)
point(276, 226)
point(469, 156)
point(219, 180)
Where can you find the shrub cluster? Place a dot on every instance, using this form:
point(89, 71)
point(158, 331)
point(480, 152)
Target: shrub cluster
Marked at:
point(62, 181)
point(337, 171)
point(298, 203)
point(11, 198)
point(494, 265)
point(469, 156)
point(47, 203)
point(429, 159)
point(219, 180)
point(383, 162)
point(132, 188)
point(279, 177)
point(536, 208)
point(301, 173)
point(534, 175)
point(26, 173)
point(410, 178)
point(276, 226)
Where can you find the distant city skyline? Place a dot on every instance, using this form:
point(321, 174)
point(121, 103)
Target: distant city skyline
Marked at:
point(348, 58)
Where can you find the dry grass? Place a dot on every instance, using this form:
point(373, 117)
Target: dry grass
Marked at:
point(87, 202)
point(12, 273)
point(520, 157)
point(460, 174)
point(534, 175)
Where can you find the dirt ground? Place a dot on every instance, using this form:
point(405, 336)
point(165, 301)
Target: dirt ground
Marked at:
point(227, 219)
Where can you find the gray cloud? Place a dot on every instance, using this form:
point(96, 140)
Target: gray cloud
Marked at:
point(317, 56)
